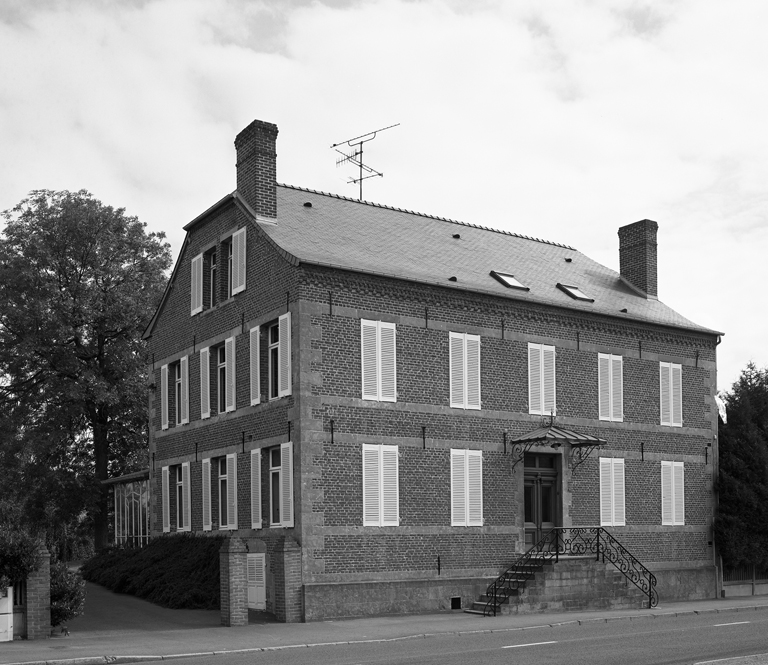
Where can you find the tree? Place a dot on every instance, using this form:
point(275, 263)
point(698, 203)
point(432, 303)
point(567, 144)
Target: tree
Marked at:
point(79, 282)
point(741, 527)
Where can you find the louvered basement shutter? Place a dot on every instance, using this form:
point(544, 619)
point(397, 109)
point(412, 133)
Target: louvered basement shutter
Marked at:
point(617, 388)
point(667, 516)
point(196, 285)
point(254, 366)
point(388, 362)
point(548, 379)
point(232, 491)
point(677, 394)
point(371, 486)
point(369, 358)
point(229, 352)
point(164, 397)
point(238, 261)
point(166, 501)
point(186, 491)
point(618, 493)
point(206, 494)
point(205, 383)
point(534, 379)
point(604, 385)
point(284, 353)
point(472, 346)
point(257, 588)
point(664, 380)
point(474, 488)
point(286, 484)
point(679, 492)
point(458, 488)
point(606, 492)
point(256, 489)
point(184, 390)
point(390, 515)
point(456, 353)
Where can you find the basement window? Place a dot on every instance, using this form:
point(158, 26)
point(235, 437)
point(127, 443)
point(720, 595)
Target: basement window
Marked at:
point(508, 280)
point(575, 292)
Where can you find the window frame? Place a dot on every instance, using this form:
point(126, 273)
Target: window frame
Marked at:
point(541, 350)
point(380, 485)
point(196, 285)
point(674, 397)
point(281, 486)
point(460, 372)
point(610, 394)
point(611, 489)
point(675, 495)
point(466, 487)
point(378, 360)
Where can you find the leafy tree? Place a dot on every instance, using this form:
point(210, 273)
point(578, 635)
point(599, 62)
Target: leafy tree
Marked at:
point(67, 593)
point(741, 528)
point(79, 282)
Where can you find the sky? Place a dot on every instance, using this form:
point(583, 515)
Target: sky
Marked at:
point(561, 120)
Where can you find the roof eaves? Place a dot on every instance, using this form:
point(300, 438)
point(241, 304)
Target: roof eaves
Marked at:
point(168, 286)
point(216, 206)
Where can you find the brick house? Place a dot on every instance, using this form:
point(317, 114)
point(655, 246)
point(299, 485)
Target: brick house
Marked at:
point(340, 385)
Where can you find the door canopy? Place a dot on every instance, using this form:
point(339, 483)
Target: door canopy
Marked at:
point(554, 436)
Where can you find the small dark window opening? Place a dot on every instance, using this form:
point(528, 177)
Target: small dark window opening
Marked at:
point(456, 603)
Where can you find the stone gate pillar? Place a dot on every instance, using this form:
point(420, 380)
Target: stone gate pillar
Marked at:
point(234, 583)
point(39, 598)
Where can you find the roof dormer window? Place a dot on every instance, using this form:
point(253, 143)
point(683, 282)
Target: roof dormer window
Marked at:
point(508, 280)
point(575, 292)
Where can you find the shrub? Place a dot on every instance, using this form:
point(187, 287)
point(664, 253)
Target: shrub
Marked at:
point(18, 556)
point(67, 593)
point(180, 572)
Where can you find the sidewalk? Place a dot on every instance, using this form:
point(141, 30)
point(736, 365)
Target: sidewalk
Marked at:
point(119, 629)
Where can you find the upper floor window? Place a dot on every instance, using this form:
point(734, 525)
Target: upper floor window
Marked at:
point(174, 398)
point(279, 354)
point(225, 376)
point(377, 340)
point(210, 285)
point(207, 270)
point(612, 491)
point(671, 394)
point(541, 379)
point(182, 511)
point(464, 370)
point(672, 493)
point(226, 480)
point(610, 387)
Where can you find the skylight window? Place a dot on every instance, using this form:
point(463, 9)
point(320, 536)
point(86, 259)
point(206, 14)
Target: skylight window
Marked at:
point(575, 292)
point(508, 280)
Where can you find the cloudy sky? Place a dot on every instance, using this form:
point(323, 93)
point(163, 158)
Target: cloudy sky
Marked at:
point(559, 119)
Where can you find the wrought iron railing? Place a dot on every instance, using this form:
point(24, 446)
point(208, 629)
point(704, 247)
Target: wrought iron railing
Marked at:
point(570, 541)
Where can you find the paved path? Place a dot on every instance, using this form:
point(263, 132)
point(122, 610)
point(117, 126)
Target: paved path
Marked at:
point(120, 628)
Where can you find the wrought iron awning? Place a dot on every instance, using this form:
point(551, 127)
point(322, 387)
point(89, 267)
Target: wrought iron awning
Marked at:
point(554, 436)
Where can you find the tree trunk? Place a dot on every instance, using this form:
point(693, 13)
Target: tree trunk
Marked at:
point(101, 458)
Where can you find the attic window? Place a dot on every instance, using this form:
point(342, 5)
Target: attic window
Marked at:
point(508, 280)
point(575, 292)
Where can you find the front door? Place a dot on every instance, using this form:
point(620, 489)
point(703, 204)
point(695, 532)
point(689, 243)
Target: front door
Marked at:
point(542, 507)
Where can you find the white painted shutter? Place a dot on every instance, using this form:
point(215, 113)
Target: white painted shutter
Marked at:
point(166, 501)
point(474, 487)
point(664, 380)
point(205, 383)
point(679, 492)
point(164, 397)
point(534, 378)
point(284, 354)
point(238, 261)
point(618, 492)
point(457, 363)
point(256, 489)
point(606, 492)
point(187, 493)
point(229, 352)
point(617, 388)
point(184, 390)
point(390, 509)
point(677, 394)
point(548, 379)
point(604, 386)
point(458, 488)
point(369, 359)
point(232, 491)
point(286, 484)
point(196, 286)
point(257, 586)
point(207, 494)
point(254, 366)
point(387, 362)
point(667, 508)
point(472, 349)
point(371, 486)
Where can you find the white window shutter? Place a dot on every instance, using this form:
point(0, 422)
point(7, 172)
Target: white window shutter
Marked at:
point(677, 394)
point(196, 286)
point(205, 383)
point(229, 352)
point(474, 487)
point(387, 362)
point(667, 507)
point(284, 354)
point(472, 347)
point(371, 486)
point(390, 508)
point(257, 587)
point(286, 484)
point(678, 485)
point(606, 491)
point(456, 360)
point(548, 380)
point(184, 390)
point(458, 489)
point(232, 491)
point(534, 379)
point(604, 386)
point(256, 489)
point(206, 494)
point(238, 261)
point(166, 501)
point(617, 388)
point(369, 358)
point(618, 493)
point(164, 397)
point(664, 381)
point(254, 366)
point(186, 491)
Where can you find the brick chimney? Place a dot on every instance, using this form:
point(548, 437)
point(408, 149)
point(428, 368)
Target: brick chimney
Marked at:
point(256, 167)
point(637, 255)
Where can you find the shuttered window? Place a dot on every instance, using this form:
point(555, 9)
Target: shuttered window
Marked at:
point(254, 365)
point(672, 493)
point(611, 492)
point(541, 379)
point(229, 352)
point(256, 489)
point(205, 382)
point(378, 352)
point(164, 397)
point(231, 492)
point(238, 261)
point(187, 493)
point(466, 487)
point(257, 583)
point(281, 485)
point(206, 494)
point(184, 366)
point(380, 486)
point(284, 355)
point(464, 370)
point(165, 490)
point(671, 394)
point(610, 387)
point(196, 286)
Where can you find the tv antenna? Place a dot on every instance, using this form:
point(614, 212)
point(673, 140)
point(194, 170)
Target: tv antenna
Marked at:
point(356, 157)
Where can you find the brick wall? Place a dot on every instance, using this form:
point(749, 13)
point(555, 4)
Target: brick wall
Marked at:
point(39, 599)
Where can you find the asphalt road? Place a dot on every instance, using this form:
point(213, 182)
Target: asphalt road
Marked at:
point(685, 639)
